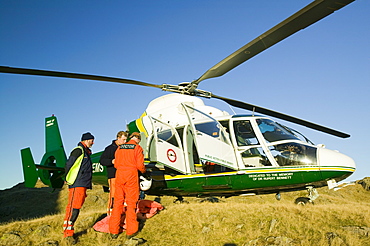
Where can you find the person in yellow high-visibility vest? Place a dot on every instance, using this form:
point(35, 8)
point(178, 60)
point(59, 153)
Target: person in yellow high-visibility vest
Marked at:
point(79, 175)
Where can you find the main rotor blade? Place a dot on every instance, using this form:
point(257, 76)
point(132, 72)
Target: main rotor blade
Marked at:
point(26, 71)
point(282, 116)
point(305, 17)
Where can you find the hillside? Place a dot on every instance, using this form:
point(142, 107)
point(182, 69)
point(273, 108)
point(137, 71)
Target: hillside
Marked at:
point(34, 217)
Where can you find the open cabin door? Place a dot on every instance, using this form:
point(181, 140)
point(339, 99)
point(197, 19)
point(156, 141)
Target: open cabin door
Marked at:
point(168, 148)
point(211, 140)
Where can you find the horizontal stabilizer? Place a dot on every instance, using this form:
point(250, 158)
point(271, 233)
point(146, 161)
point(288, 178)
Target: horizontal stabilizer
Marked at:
point(50, 168)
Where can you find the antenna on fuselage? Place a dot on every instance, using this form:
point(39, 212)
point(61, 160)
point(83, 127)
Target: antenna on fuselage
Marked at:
point(231, 109)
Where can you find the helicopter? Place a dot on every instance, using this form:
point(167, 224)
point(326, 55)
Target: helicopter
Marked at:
point(196, 150)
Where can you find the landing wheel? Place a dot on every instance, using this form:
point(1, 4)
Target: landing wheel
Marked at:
point(210, 199)
point(180, 199)
point(303, 201)
point(278, 196)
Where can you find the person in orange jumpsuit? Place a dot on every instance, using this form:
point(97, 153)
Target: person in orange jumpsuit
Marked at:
point(129, 160)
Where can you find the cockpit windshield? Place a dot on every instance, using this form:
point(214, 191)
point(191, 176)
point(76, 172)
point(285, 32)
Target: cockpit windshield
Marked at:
point(273, 132)
point(297, 134)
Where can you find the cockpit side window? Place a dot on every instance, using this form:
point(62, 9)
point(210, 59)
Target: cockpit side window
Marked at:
point(272, 132)
point(244, 133)
point(255, 157)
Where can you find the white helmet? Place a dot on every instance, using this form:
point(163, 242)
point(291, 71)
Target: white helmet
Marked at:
point(145, 183)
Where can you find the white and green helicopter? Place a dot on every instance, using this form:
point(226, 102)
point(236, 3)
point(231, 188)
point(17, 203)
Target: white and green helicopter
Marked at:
point(196, 150)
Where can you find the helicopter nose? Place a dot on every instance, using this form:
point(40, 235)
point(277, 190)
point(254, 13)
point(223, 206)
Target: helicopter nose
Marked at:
point(332, 160)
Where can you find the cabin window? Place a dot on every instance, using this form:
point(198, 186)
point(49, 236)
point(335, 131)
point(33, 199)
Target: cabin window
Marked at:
point(209, 128)
point(244, 133)
point(168, 136)
point(294, 154)
point(272, 132)
point(212, 129)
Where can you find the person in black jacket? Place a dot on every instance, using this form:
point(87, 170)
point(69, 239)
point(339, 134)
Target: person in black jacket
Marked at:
point(107, 159)
point(79, 167)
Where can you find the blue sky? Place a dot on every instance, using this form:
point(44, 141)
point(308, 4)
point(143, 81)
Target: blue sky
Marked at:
point(320, 74)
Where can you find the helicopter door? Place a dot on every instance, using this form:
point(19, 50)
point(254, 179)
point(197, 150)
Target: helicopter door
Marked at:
point(168, 146)
point(211, 140)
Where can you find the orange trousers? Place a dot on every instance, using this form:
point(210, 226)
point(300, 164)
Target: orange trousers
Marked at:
point(76, 199)
point(112, 190)
point(127, 194)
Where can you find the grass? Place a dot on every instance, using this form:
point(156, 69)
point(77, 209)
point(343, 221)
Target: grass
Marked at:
point(337, 218)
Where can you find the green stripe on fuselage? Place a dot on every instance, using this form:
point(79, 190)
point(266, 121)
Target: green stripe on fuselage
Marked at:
point(260, 180)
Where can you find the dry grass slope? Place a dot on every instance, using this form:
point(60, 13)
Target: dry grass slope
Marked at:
point(34, 217)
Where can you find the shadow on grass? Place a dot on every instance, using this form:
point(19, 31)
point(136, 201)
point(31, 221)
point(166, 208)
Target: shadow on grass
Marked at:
point(21, 203)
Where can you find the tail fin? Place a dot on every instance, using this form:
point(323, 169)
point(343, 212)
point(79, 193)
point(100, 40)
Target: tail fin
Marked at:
point(29, 168)
point(53, 139)
point(51, 169)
